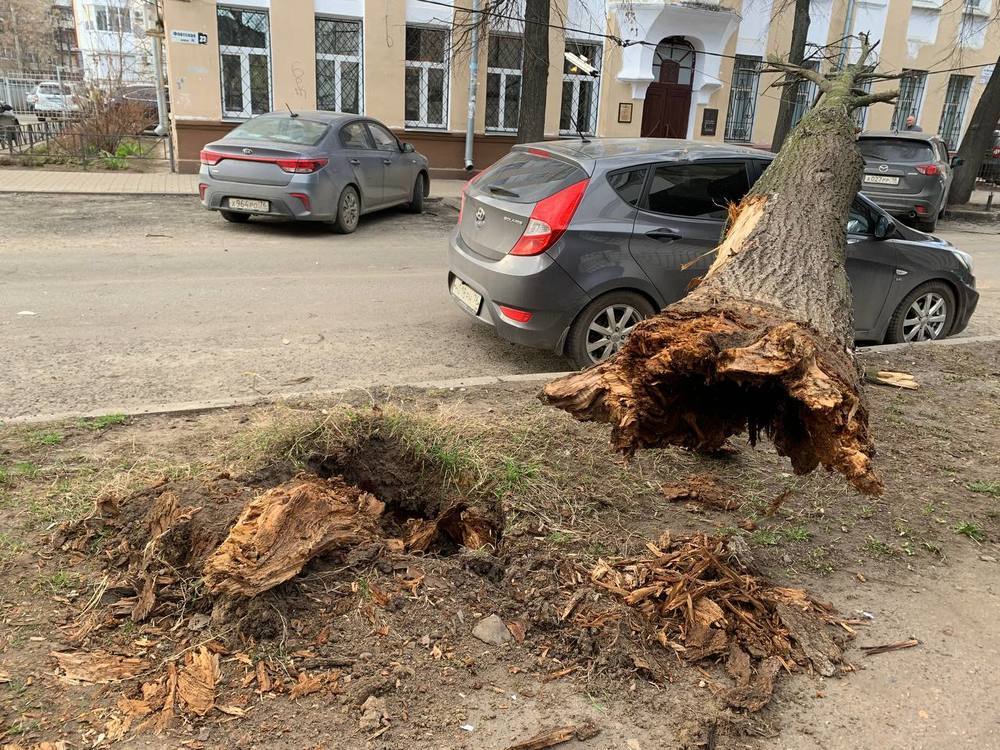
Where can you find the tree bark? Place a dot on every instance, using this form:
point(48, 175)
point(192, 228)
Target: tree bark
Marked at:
point(534, 71)
point(796, 52)
point(764, 343)
point(977, 141)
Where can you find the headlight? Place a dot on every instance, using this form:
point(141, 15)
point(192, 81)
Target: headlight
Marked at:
point(964, 258)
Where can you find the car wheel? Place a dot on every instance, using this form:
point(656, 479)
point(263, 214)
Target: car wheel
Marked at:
point(416, 204)
point(348, 211)
point(925, 314)
point(603, 325)
point(235, 217)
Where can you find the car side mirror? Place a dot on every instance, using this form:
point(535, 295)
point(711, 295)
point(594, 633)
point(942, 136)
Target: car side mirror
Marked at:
point(408, 148)
point(957, 161)
point(884, 227)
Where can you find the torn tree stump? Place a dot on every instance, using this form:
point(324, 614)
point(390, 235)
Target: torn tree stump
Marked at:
point(284, 528)
point(764, 343)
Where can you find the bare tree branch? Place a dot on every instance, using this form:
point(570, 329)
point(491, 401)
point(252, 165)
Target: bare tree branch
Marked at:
point(881, 96)
point(777, 66)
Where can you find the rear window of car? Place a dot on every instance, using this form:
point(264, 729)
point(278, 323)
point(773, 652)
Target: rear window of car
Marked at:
point(628, 184)
point(51, 88)
point(293, 130)
point(524, 177)
point(895, 149)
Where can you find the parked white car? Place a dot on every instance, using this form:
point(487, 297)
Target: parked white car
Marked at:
point(53, 97)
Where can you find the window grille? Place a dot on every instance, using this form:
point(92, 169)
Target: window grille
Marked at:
point(503, 82)
point(953, 112)
point(426, 85)
point(743, 99)
point(245, 54)
point(911, 94)
point(805, 94)
point(339, 67)
point(578, 110)
point(861, 113)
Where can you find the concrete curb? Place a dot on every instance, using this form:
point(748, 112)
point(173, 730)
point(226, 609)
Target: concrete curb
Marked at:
point(977, 216)
point(190, 407)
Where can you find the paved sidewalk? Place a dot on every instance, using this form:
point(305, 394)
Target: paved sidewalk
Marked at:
point(127, 183)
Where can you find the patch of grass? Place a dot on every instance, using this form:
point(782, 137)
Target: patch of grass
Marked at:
point(60, 582)
point(766, 537)
point(42, 437)
point(971, 530)
point(796, 534)
point(513, 475)
point(985, 488)
point(25, 469)
point(102, 422)
point(9, 549)
point(559, 537)
point(877, 548)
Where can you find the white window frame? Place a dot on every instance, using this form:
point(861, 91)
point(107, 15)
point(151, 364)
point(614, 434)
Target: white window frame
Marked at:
point(505, 73)
point(244, 55)
point(339, 59)
point(424, 67)
point(576, 79)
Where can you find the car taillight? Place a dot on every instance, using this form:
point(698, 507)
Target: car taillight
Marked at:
point(518, 316)
point(300, 166)
point(304, 199)
point(996, 152)
point(202, 187)
point(549, 219)
point(461, 206)
point(928, 169)
point(210, 158)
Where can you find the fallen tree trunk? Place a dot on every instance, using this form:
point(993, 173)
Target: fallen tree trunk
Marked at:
point(764, 344)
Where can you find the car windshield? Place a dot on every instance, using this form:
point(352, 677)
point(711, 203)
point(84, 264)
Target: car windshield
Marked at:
point(51, 88)
point(895, 149)
point(281, 130)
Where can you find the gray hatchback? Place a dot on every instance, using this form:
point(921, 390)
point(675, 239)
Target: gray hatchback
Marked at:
point(566, 245)
point(311, 166)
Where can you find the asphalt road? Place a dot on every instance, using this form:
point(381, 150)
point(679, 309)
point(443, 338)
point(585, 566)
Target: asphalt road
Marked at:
point(144, 301)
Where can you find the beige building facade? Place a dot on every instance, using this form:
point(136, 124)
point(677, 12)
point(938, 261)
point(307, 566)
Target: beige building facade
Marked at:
point(686, 69)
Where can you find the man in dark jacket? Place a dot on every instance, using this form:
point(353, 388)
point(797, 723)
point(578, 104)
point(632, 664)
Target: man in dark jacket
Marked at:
point(10, 128)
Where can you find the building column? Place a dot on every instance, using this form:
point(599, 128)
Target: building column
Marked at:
point(293, 54)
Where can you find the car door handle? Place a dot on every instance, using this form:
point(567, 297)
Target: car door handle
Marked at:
point(663, 235)
point(387, 161)
point(355, 162)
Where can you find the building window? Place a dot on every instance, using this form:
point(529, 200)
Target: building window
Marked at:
point(911, 94)
point(426, 89)
point(743, 99)
point(339, 74)
point(245, 53)
point(578, 110)
point(111, 18)
point(860, 114)
point(805, 93)
point(503, 83)
point(953, 112)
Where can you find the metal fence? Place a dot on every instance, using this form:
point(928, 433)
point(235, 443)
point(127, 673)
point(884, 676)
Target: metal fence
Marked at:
point(62, 91)
point(68, 143)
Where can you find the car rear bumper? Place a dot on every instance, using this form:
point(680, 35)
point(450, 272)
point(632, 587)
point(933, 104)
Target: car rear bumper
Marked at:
point(535, 284)
point(905, 206)
point(320, 205)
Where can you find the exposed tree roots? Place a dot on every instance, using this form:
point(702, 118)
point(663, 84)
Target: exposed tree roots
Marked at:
point(697, 374)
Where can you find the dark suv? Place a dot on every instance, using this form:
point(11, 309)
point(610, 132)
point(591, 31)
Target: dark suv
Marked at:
point(566, 245)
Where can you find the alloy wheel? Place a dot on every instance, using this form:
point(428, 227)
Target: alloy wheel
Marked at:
point(349, 208)
point(609, 329)
point(925, 318)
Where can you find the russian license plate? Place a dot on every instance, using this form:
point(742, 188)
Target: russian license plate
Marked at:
point(466, 295)
point(245, 204)
point(881, 179)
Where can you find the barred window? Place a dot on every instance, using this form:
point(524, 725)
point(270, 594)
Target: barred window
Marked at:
point(245, 53)
point(339, 72)
point(861, 113)
point(743, 99)
point(953, 112)
point(911, 95)
point(578, 111)
point(426, 86)
point(805, 93)
point(503, 82)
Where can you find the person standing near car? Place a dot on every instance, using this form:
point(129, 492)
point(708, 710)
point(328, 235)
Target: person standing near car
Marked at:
point(9, 127)
point(911, 124)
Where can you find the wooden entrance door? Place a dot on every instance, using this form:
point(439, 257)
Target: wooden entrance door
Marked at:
point(667, 107)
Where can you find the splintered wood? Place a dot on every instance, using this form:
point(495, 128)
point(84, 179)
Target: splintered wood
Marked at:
point(286, 527)
point(703, 606)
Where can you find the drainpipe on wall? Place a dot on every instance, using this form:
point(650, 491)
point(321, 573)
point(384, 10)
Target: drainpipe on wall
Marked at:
point(470, 127)
point(848, 22)
point(163, 126)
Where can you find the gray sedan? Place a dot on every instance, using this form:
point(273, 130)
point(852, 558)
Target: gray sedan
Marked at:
point(311, 166)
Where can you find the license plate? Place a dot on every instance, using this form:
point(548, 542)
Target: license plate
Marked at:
point(466, 295)
point(881, 179)
point(245, 204)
